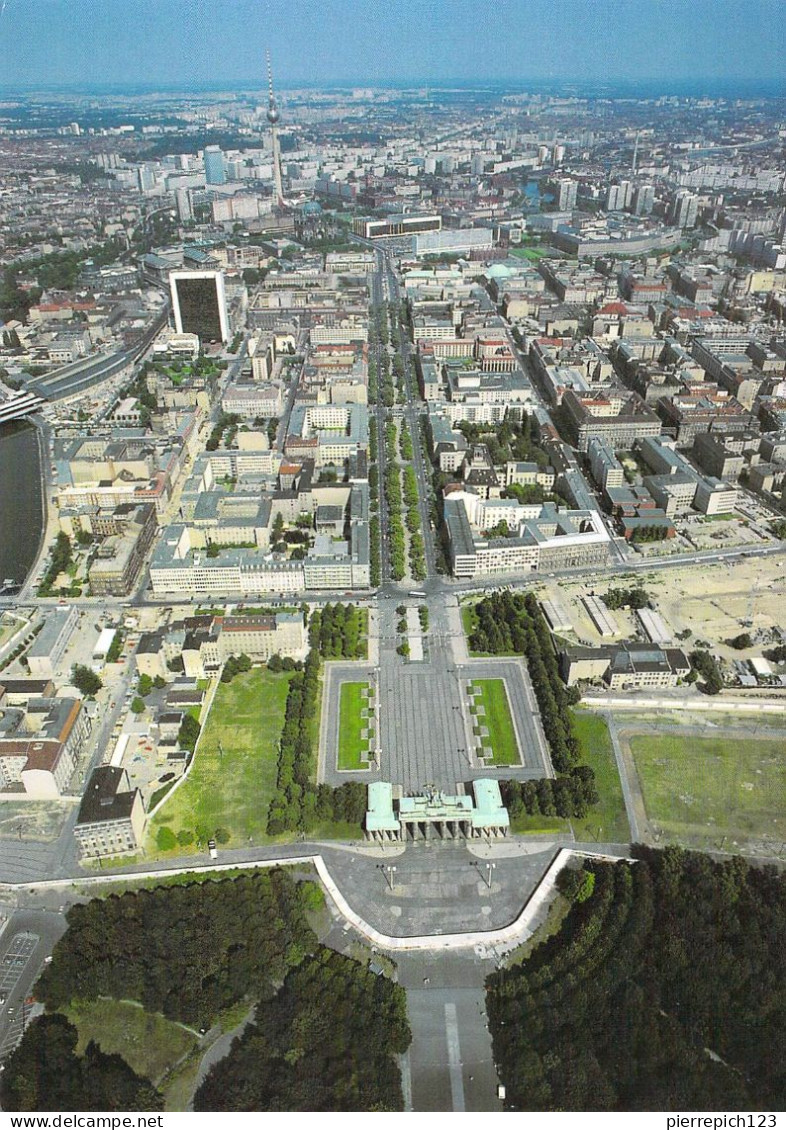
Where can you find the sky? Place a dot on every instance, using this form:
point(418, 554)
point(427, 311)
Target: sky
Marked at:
point(198, 42)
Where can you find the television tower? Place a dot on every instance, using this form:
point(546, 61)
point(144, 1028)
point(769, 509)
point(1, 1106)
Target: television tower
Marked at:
point(273, 117)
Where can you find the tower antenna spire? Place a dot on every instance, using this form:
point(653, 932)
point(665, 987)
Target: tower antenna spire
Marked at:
point(273, 117)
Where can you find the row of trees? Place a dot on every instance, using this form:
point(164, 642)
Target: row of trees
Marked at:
point(664, 989)
point(226, 420)
point(188, 951)
point(508, 622)
point(375, 545)
point(295, 756)
point(298, 805)
point(337, 631)
point(417, 549)
point(60, 558)
point(396, 539)
point(570, 795)
point(326, 1041)
point(115, 648)
point(626, 598)
point(650, 533)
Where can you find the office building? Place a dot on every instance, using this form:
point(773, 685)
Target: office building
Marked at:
point(199, 304)
point(185, 212)
point(214, 165)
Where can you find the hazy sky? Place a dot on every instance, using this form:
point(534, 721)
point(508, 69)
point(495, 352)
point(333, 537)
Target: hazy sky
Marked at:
point(210, 41)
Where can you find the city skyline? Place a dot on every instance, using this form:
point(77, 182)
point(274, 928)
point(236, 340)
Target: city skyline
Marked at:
point(106, 43)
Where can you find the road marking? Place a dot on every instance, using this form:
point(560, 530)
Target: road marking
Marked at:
point(454, 1058)
point(406, 1080)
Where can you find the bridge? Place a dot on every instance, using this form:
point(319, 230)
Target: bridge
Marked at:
point(21, 404)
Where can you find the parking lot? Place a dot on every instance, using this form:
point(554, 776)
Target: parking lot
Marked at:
point(12, 968)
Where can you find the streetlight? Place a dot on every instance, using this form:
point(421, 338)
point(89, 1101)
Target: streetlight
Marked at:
point(388, 870)
point(489, 868)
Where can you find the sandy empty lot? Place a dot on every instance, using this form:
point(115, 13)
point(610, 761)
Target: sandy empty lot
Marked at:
point(715, 602)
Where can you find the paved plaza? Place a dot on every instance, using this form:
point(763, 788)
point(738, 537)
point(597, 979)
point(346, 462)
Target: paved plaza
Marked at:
point(439, 888)
point(424, 728)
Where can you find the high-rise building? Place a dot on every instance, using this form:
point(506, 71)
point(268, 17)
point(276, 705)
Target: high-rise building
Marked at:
point(643, 200)
point(199, 304)
point(615, 198)
point(685, 209)
point(214, 165)
point(146, 178)
point(185, 212)
point(566, 194)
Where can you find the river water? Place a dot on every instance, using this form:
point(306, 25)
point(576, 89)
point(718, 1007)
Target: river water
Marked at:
point(21, 514)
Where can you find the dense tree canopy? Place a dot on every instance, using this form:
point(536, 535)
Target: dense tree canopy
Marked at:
point(337, 631)
point(325, 1041)
point(508, 622)
point(188, 951)
point(664, 989)
point(45, 1073)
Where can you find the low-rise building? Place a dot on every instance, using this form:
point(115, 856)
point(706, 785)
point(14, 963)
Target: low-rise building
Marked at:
point(111, 818)
point(625, 667)
point(40, 744)
point(49, 645)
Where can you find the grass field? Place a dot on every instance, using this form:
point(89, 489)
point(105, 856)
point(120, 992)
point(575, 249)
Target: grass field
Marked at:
point(525, 825)
point(697, 789)
point(496, 717)
point(231, 784)
point(149, 1043)
point(598, 752)
point(529, 252)
point(469, 620)
point(351, 743)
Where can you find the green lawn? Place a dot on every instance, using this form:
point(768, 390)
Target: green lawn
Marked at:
point(712, 789)
point(529, 252)
point(526, 825)
point(493, 697)
point(469, 619)
point(231, 787)
point(351, 743)
point(597, 751)
point(149, 1043)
